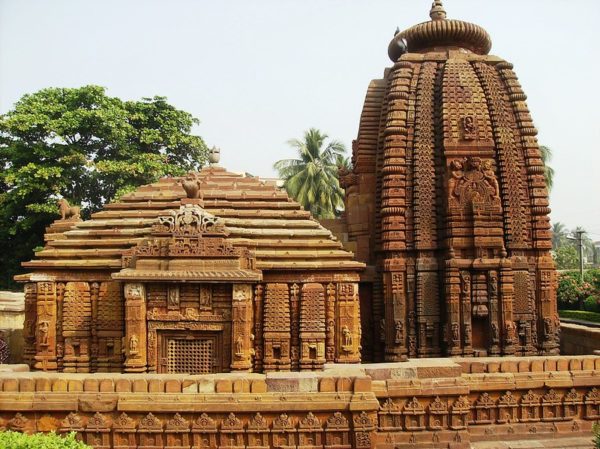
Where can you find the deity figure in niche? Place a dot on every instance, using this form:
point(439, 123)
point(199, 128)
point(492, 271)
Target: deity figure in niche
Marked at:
point(133, 345)
point(43, 329)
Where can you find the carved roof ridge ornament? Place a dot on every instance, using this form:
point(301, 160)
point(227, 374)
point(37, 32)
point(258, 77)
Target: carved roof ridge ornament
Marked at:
point(190, 220)
point(440, 32)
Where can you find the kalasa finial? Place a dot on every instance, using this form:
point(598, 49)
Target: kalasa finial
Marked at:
point(437, 11)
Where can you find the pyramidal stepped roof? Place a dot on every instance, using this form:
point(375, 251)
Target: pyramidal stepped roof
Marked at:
point(257, 215)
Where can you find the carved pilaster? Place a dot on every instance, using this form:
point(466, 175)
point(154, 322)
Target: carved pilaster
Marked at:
point(330, 329)
point(312, 327)
point(276, 334)
point(94, 292)
point(77, 316)
point(465, 305)
point(453, 293)
point(509, 327)
point(29, 327)
point(494, 320)
point(46, 327)
point(348, 324)
point(295, 326)
point(134, 344)
point(242, 347)
point(258, 327)
point(60, 339)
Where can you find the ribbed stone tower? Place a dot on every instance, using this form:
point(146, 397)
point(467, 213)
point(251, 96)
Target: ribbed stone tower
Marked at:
point(448, 205)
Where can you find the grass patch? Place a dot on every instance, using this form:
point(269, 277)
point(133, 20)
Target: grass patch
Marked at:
point(594, 317)
point(16, 440)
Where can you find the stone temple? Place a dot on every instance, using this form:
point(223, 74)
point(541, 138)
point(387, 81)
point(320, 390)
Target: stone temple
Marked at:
point(446, 212)
point(447, 204)
point(182, 315)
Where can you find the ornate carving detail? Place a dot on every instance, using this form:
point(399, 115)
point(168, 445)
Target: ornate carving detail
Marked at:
point(189, 220)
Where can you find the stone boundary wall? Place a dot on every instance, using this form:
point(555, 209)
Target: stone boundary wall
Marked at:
point(443, 403)
point(578, 338)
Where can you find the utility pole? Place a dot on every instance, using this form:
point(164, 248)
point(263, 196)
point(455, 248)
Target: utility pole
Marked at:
point(579, 234)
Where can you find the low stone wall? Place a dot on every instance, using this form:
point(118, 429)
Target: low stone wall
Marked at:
point(443, 403)
point(577, 339)
point(12, 317)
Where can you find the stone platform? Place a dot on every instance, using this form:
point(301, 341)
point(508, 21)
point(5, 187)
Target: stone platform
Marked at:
point(441, 403)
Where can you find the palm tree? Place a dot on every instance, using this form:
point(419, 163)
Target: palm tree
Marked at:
point(559, 235)
point(312, 179)
point(548, 171)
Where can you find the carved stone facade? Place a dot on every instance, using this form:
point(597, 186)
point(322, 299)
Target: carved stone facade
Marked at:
point(189, 291)
point(448, 205)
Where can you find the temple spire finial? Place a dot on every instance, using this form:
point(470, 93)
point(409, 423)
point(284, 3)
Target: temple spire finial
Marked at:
point(437, 11)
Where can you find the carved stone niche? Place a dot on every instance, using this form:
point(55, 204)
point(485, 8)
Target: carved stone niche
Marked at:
point(177, 431)
point(310, 432)
point(98, 432)
point(438, 414)
point(414, 415)
point(337, 432)
point(592, 404)
point(572, 403)
point(124, 432)
point(150, 431)
point(204, 432)
point(258, 433)
point(283, 432)
point(232, 433)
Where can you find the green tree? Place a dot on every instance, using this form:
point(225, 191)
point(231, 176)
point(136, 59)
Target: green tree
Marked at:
point(559, 235)
point(566, 257)
point(548, 170)
point(312, 179)
point(87, 147)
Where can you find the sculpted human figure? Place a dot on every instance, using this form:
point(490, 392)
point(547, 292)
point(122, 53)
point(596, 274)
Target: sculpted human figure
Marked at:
point(239, 346)
point(43, 329)
point(465, 285)
point(490, 177)
point(347, 336)
point(133, 345)
point(495, 336)
point(399, 332)
point(457, 174)
point(455, 334)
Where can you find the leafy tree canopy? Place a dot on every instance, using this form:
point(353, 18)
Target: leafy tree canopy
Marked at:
point(312, 179)
point(81, 144)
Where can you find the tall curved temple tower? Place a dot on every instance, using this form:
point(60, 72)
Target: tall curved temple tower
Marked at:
point(447, 203)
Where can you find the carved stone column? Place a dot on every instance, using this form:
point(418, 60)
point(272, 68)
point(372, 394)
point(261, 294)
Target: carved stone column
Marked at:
point(276, 333)
point(295, 326)
point(330, 318)
point(509, 327)
point(134, 344)
point(494, 321)
point(453, 311)
point(29, 327)
point(77, 316)
point(94, 292)
point(348, 324)
point(398, 324)
point(466, 305)
point(46, 327)
point(258, 327)
point(312, 327)
point(241, 329)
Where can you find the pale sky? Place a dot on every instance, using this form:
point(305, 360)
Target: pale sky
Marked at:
point(257, 73)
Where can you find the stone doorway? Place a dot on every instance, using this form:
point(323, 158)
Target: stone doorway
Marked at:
point(190, 352)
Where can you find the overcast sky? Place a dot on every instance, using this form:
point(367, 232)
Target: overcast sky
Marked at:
point(257, 73)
